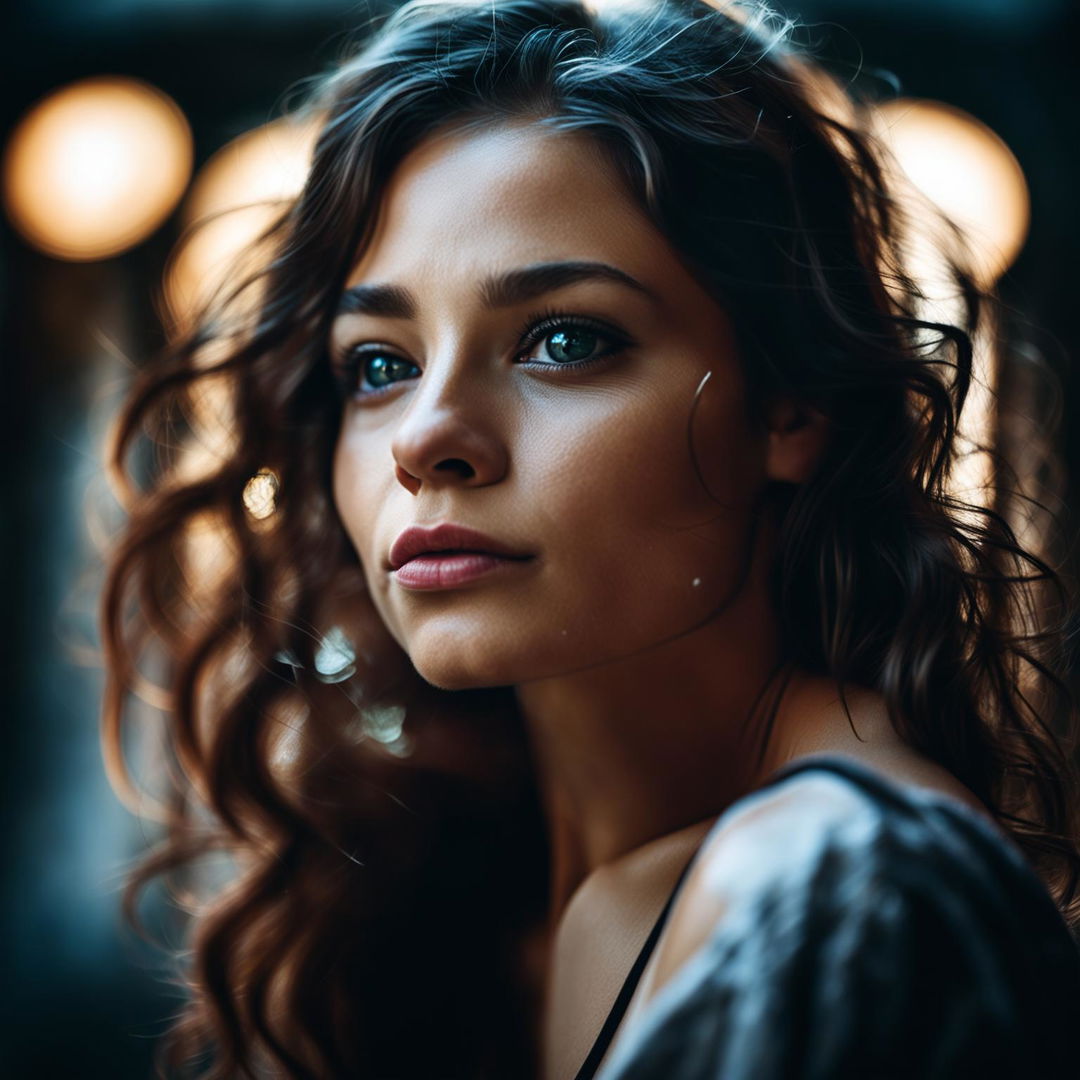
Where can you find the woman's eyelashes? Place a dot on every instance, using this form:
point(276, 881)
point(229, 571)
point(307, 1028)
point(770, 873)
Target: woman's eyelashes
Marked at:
point(550, 340)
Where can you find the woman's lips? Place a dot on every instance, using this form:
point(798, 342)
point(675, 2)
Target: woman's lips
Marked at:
point(449, 569)
point(447, 536)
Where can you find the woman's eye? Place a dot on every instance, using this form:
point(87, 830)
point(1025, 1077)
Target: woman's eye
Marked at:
point(570, 344)
point(384, 369)
point(369, 372)
point(567, 342)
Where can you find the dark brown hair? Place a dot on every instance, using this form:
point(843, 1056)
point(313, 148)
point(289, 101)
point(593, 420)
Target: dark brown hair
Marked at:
point(386, 854)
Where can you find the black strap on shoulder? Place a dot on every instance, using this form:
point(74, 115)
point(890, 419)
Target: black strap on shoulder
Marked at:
point(614, 1018)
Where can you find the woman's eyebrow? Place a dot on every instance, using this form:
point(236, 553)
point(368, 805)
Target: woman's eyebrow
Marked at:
point(498, 290)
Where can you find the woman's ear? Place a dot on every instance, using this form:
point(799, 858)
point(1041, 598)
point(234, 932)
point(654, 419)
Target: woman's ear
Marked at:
point(797, 437)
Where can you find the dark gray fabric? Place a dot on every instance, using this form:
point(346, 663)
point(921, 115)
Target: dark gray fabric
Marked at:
point(876, 933)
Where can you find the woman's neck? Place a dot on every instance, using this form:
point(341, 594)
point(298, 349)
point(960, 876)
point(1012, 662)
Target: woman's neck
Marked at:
point(642, 748)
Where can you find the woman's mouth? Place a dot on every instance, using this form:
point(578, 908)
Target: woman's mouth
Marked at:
point(446, 555)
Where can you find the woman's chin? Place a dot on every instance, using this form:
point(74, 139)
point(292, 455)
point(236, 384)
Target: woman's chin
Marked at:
point(444, 674)
point(454, 671)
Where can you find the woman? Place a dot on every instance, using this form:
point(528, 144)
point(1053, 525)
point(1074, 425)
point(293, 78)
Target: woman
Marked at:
point(681, 712)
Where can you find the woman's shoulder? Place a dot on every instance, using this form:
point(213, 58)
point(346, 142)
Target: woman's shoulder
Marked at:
point(827, 808)
point(857, 925)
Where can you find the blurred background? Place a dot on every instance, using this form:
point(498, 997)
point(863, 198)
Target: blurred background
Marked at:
point(127, 120)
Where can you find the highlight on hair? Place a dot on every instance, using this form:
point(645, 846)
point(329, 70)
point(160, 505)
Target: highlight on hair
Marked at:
point(385, 849)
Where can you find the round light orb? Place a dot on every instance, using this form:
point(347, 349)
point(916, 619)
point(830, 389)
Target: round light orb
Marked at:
point(96, 167)
point(967, 171)
point(236, 195)
point(260, 494)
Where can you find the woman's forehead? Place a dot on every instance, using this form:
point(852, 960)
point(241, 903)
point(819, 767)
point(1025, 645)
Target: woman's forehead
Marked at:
point(524, 192)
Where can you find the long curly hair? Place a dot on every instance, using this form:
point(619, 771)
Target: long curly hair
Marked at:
point(383, 848)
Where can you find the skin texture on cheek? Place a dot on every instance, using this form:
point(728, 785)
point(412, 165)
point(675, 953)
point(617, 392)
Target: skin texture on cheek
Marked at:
point(640, 527)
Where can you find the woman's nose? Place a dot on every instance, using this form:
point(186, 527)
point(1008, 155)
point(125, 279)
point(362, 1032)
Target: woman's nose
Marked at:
point(449, 433)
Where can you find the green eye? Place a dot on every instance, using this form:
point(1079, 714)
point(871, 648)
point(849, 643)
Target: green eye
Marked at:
point(571, 345)
point(384, 369)
point(562, 340)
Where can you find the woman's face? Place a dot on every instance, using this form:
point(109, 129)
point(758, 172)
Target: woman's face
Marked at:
point(458, 413)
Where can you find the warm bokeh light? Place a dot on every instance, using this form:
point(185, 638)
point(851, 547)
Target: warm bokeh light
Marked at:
point(967, 171)
point(96, 167)
point(236, 195)
point(260, 494)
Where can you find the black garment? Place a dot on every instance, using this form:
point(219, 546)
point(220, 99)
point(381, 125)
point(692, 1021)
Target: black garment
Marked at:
point(882, 933)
